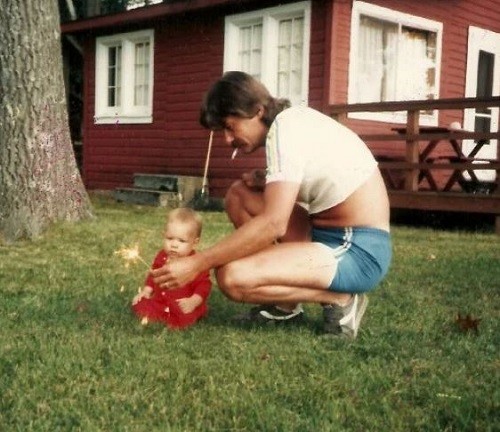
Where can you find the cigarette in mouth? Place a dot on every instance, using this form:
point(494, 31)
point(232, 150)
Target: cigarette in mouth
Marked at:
point(235, 153)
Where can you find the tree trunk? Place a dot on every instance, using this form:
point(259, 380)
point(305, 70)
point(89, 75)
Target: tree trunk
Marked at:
point(39, 180)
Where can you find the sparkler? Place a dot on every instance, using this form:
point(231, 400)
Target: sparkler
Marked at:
point(235, 153)
point(130, 255)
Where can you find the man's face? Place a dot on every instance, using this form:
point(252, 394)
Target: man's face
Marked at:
point(245, 134)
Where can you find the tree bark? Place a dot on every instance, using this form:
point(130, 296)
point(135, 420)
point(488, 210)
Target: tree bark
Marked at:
point(39, 180)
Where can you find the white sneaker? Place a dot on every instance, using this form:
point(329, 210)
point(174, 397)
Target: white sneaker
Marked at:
point(344, 321)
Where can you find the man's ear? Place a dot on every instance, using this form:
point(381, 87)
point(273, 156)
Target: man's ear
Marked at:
point(260, 112)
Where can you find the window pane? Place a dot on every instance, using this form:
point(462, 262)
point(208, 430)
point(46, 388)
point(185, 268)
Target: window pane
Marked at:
point(114, 76)
point(417, 71)
point(485, 67)
point(250, 50)
point(398, 62)
point(377, 60)
point(123, 85)
point(290, 52)
point(269, 44)
point(141, 73)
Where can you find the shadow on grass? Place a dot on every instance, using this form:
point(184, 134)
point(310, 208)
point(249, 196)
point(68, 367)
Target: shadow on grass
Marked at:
point(452, 221)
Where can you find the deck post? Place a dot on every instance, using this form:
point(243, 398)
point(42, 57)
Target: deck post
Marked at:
point(496, 192)
point(340, 117)
point(412, 153)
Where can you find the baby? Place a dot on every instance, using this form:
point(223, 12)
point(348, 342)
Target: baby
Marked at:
point(183, 306)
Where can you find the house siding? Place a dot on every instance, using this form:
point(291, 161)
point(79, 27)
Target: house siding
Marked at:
point(173, 143)
point(188, 58)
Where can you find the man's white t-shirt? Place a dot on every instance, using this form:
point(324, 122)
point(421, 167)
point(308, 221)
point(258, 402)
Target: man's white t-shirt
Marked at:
point(327, 159)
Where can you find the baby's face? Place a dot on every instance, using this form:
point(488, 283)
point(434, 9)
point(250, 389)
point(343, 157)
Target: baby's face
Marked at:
point(180, 239)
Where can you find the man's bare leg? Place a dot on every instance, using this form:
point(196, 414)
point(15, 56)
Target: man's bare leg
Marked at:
point(286, 273)
point(243, 203)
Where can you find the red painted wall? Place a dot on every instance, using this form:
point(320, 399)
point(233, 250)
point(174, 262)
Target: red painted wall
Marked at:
point(189, 56)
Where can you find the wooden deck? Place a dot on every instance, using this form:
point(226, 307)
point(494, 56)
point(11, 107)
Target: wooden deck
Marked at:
point(414, 178)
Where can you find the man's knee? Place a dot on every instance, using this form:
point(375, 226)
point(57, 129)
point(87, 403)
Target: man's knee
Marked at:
point(230, 282)
point(234, 195)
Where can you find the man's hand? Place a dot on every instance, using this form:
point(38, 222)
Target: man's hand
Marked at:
point(189, 304)
point(177, 273)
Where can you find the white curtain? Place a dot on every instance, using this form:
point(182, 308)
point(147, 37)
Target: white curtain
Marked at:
point(416, 68)
point(250, 52)
point(394, 64)
point(141, 81)
point(290, 53)
point(391, 55)
point(370, 68)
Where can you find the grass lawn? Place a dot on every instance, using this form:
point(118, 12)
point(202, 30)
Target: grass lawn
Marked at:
point(73, 358)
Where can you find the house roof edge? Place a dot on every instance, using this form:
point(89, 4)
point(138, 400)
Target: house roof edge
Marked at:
point(142, 14)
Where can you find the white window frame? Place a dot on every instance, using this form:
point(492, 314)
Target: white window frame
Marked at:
point(127, 112)
point(400, 18)
point(269, 18)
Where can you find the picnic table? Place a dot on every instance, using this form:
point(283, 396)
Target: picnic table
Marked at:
point(432, 153)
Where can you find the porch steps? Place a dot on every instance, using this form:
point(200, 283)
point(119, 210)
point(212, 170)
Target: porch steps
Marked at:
point(161, 190)
point(146, 197)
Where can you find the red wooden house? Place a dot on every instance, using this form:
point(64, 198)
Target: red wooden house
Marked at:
point(146, 70)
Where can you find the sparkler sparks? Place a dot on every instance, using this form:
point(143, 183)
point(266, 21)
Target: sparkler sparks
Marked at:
point(130, 255)
point(235, 153)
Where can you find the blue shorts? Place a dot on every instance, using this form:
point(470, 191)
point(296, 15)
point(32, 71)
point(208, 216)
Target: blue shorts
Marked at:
point(363, 255)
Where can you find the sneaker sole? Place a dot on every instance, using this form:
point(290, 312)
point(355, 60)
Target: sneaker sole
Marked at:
point(283, 318)
point(261, 319)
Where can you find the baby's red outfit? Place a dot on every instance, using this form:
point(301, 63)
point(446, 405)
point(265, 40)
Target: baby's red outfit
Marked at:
point(163, 306)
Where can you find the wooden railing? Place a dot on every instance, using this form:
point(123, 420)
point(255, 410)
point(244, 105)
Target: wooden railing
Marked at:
point(417, 160)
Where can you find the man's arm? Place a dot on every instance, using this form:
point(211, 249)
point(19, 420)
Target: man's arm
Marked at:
point(257, 233)
point(254, 235)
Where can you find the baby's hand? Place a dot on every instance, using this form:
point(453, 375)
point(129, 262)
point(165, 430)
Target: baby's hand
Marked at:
point(189, 304)
point(255, 179)
point(144, 293)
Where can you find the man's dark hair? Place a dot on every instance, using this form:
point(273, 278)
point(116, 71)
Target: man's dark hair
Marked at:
point(238, 94)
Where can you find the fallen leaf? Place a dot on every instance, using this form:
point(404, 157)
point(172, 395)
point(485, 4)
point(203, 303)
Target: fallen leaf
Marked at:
point(467, 323)
point(82, 307)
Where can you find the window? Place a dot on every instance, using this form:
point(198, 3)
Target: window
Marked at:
point(485, 68)
point(124, 78)
point(272, 45)
point(394, 57)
